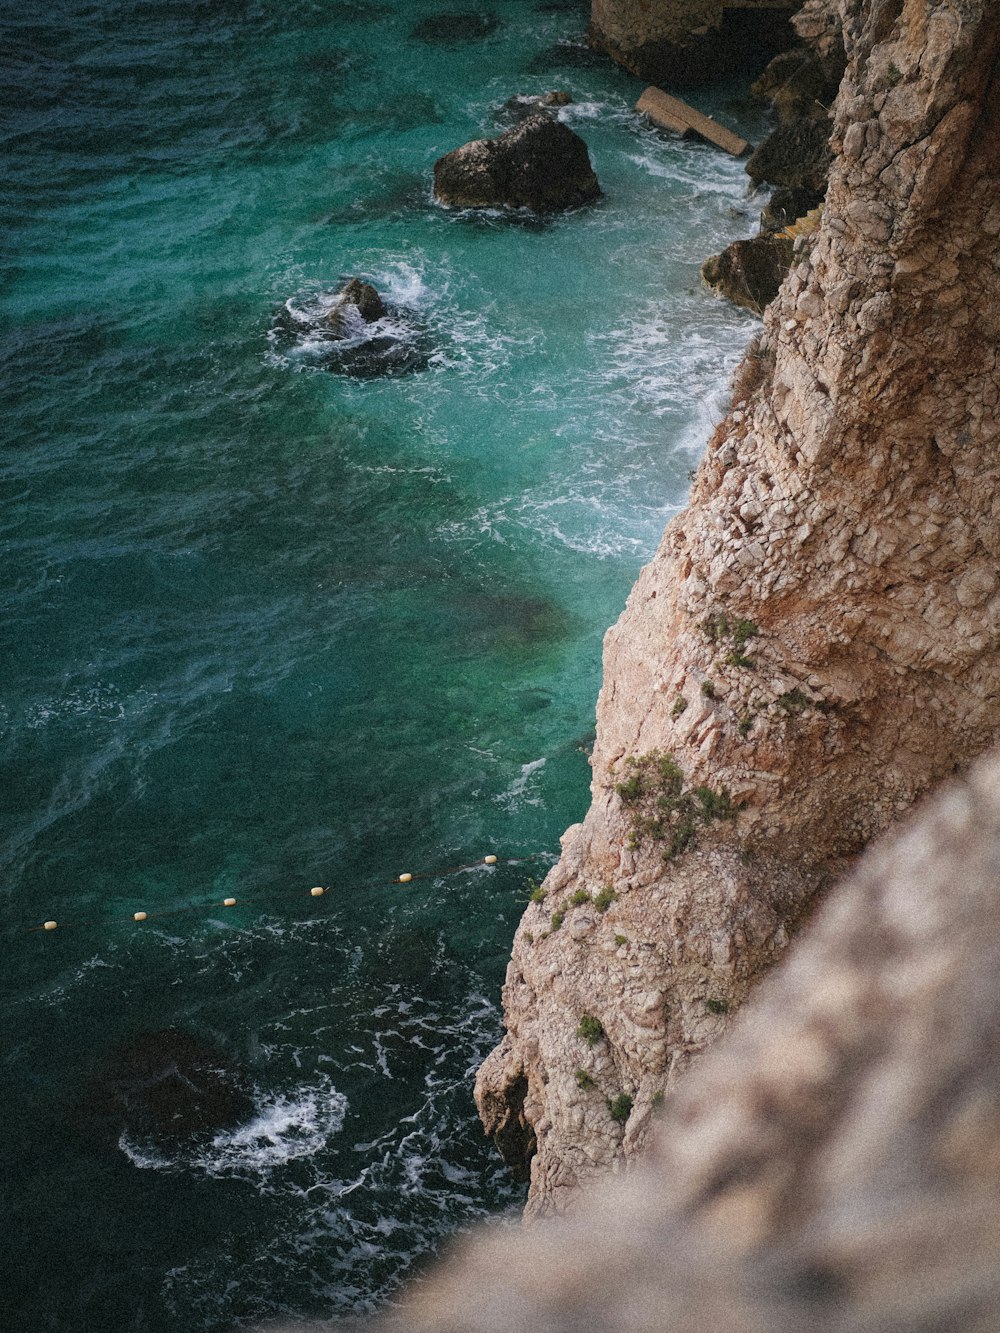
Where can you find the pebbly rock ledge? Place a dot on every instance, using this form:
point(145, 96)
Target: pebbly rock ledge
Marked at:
point(817, 640)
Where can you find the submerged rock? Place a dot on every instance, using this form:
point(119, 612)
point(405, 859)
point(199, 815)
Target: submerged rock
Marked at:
point(448, 28)
point(749, 273)
point(539, 164)
point(167, 1086)
point(523, 105)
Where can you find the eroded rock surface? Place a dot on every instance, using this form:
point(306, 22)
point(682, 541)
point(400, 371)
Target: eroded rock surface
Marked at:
point(816, 641)
point(677, 42)
point(539, 164)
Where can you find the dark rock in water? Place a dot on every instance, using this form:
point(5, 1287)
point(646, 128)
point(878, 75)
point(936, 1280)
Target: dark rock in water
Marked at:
point(797, 155)
point(749, 273)
point(786, 206)
point(446, 29)
point(799, 83)
point(539, 164)
point(352, 332)
point(676, 45)
point(168, 1086)
point(565, 55)
point(522, 106)
point(359, 296)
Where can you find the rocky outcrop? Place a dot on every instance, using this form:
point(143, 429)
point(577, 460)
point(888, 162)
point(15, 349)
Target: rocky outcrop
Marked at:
point(355, 300)
point(833, 1165)
point(540, 164)
point(749, 273)
point(816, 641)
point(677, 42)
point(796, 155)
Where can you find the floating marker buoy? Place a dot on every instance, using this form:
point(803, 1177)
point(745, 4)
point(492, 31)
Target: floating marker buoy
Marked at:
point(229, 902)
point(489, 860)
point(139, 916)
point(317, 892)
point(405, 879)
point(50, 925)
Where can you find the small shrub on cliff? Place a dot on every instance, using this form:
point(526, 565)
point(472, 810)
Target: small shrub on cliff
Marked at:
point(583, 1079)
point(537, 893)
point(557, 919)
point(660, 809)
point(620, 1107)
point(590, 1030)
point(605, 898)
point(794, 701)
point(708, 689)
point(620, 940)
point(680, 703)
point(717, 1006)
point(580, 897)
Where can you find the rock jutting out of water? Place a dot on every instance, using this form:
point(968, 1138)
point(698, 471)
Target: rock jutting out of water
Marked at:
point(540, 165)
point(352, 332)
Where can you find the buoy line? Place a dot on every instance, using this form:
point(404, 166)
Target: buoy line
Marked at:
point(318, 891)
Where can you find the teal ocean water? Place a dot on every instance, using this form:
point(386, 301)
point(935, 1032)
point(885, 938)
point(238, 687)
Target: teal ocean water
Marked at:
point(268, 625)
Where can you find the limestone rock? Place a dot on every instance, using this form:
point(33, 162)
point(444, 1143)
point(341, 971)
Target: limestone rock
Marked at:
point(539, 164)
point(817, 640)
point(797, 155)
point(677, 42)
point(798, 84)
point(749, 273)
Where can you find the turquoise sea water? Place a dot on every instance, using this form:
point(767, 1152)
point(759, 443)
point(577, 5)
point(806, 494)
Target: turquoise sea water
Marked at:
point(268, 626)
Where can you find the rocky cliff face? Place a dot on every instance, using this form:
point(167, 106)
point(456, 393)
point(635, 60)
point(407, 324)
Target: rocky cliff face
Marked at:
point(816, 640)
point(832, 1166)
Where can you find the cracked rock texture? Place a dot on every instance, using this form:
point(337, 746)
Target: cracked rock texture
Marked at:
point(833, 1165)
point(816, 640)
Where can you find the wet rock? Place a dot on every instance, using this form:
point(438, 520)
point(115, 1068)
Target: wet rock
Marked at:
point(540, 164)
point(796, 155)
point(351, 332)
point(355, 296)
point(786, 206)
point(565, 55)
point(522, 106)
point(749, 273)
point(449, 29)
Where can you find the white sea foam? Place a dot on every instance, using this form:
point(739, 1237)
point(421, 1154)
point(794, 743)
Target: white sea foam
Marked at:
point(287, 1126)
point(520, 791)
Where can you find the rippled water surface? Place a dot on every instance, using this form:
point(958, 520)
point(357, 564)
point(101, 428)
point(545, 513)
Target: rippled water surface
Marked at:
point(274, 620)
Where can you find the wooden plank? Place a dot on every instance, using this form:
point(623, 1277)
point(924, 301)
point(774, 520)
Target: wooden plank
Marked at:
point(672, 114)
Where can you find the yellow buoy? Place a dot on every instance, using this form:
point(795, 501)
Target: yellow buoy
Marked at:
point(50, 925)
point(317, 892)
point(139, 916)
point(405, 879)
point(229, 902)
point(489, 860)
